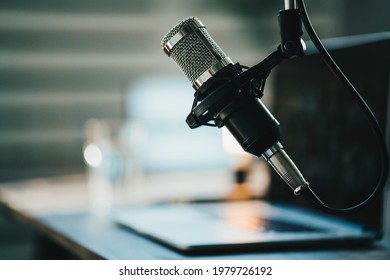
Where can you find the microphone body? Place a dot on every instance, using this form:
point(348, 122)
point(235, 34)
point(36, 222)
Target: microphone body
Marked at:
point(238, 107)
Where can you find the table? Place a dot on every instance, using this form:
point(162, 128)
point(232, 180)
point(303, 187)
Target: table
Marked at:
point(57, 208)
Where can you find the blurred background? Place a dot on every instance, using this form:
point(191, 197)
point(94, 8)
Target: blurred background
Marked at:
point(65, 62)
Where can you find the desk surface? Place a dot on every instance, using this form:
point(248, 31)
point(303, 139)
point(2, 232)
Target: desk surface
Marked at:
point(64, 218)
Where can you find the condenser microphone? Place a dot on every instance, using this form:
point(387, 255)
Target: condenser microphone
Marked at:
point(226, 97)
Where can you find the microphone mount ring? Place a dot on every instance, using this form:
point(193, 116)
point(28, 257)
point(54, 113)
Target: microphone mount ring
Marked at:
point(255, 74)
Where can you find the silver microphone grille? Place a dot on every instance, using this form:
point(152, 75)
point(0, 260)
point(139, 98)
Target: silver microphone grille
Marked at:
point(194, 51)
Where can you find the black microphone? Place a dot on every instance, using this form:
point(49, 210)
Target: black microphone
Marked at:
point(226, 97)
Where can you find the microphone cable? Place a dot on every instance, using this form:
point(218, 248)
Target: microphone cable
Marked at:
point(307, 193)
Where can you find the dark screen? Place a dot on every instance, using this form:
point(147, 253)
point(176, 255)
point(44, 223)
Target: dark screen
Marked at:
point(324, 131)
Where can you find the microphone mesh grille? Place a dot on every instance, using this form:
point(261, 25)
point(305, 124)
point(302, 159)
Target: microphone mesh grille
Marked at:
point(176, 29)
point(191, 53)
